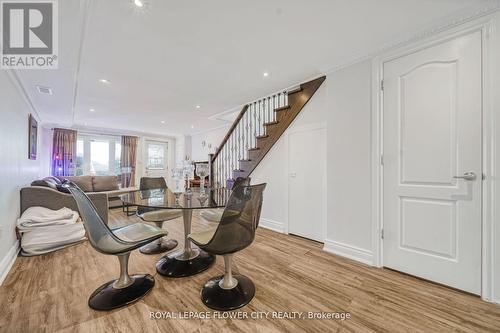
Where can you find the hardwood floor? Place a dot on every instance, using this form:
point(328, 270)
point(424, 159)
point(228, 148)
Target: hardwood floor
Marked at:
point(49, 293)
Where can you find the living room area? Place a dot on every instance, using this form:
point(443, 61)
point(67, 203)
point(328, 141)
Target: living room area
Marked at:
point(232, 166)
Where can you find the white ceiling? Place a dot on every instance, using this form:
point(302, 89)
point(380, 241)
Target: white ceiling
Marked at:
point(169, 56)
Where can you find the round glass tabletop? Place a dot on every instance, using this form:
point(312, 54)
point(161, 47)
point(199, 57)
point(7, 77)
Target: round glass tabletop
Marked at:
point(166, 199)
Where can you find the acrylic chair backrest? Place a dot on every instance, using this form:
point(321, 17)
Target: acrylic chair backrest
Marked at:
point(100, 235)
point(240, 181)
point(151, 183)
point(239, 221)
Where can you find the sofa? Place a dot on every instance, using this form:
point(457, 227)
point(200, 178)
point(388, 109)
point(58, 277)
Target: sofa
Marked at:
point(101, 184)
point(103, 191)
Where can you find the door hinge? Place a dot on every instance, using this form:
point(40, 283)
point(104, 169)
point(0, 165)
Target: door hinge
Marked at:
point(382, 233)
point(483, 176)
point(382, 85)
point(381, 159)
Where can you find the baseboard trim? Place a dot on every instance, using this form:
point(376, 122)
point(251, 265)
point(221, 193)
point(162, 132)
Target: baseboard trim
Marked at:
point(8, 261)
point(349, 251)
point(272, 225)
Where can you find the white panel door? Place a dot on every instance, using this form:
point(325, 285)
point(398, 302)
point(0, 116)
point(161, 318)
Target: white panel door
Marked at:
point(432, 134)
point(156, 159)
point(307, 183)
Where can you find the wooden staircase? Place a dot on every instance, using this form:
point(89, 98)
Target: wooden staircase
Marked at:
point(256, 129)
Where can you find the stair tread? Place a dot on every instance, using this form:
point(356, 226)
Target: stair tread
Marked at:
point(262, 136)
point(282, 108)
point(271, 123)
point(295, 91)
point(245, 160)
point(256, 148)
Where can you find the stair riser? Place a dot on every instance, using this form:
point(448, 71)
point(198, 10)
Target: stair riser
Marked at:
point(254, 155)
point(261, 141)
point(245, 165)
point(237, 174)
point(271, 128)
point(281, 115)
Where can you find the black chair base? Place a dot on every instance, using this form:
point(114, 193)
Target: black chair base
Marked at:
point(106, 297)
point(159, 246)
point(170, 266)
point(220, 299)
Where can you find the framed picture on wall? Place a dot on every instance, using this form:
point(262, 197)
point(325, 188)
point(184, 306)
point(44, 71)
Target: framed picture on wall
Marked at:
point(32, 140)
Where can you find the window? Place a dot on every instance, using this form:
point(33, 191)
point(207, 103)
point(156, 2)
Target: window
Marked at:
point(98, 155)
point(79, 157)
point(156, 155)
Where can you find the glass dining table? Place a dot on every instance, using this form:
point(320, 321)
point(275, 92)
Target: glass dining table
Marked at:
point(190, 260)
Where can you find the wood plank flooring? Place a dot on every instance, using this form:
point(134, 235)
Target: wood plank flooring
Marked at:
point(49, 293)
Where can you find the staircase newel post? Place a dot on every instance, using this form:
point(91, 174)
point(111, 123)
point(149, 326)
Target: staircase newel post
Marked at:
point(210, 171)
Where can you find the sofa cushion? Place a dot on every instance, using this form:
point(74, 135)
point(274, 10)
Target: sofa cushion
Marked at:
point(105, 183)
point(83, 182)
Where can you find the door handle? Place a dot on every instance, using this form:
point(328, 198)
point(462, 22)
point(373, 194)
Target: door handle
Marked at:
point(467, 176)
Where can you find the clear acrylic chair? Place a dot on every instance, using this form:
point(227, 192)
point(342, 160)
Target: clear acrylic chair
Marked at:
point(157, 216)
point(119, 242)
point(235, 232)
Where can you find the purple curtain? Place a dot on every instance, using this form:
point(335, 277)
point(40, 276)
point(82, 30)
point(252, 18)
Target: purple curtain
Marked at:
point(63, 152)
point(128, 160)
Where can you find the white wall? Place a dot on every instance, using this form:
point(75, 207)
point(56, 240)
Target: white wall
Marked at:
point(182, 148)
point(45, 151)
point(16, 170)
point(349, 230)
point(214, 137)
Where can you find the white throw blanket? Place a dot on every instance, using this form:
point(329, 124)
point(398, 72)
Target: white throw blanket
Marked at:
point(48, 239)
point(44, 230)
point(35, 217)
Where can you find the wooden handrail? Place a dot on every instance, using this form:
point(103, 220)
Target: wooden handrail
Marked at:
point(231, 130)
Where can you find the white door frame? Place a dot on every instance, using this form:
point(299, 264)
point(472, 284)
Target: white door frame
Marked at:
point(303, 128)
point(487, 27)
point(170, 158)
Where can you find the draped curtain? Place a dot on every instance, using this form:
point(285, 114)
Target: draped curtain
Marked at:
point(63, 152)
point(128, 160)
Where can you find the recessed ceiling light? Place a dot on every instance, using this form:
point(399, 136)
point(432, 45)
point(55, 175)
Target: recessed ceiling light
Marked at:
point(198, 106)
point(163, 121)
point(92, 110)
point(266, 74)
point(139, 3)
point(104, 81)
point(192, 126)
point(44, 90)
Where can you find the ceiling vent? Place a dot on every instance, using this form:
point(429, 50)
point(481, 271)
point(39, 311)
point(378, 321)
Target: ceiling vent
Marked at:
point(44, 90)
